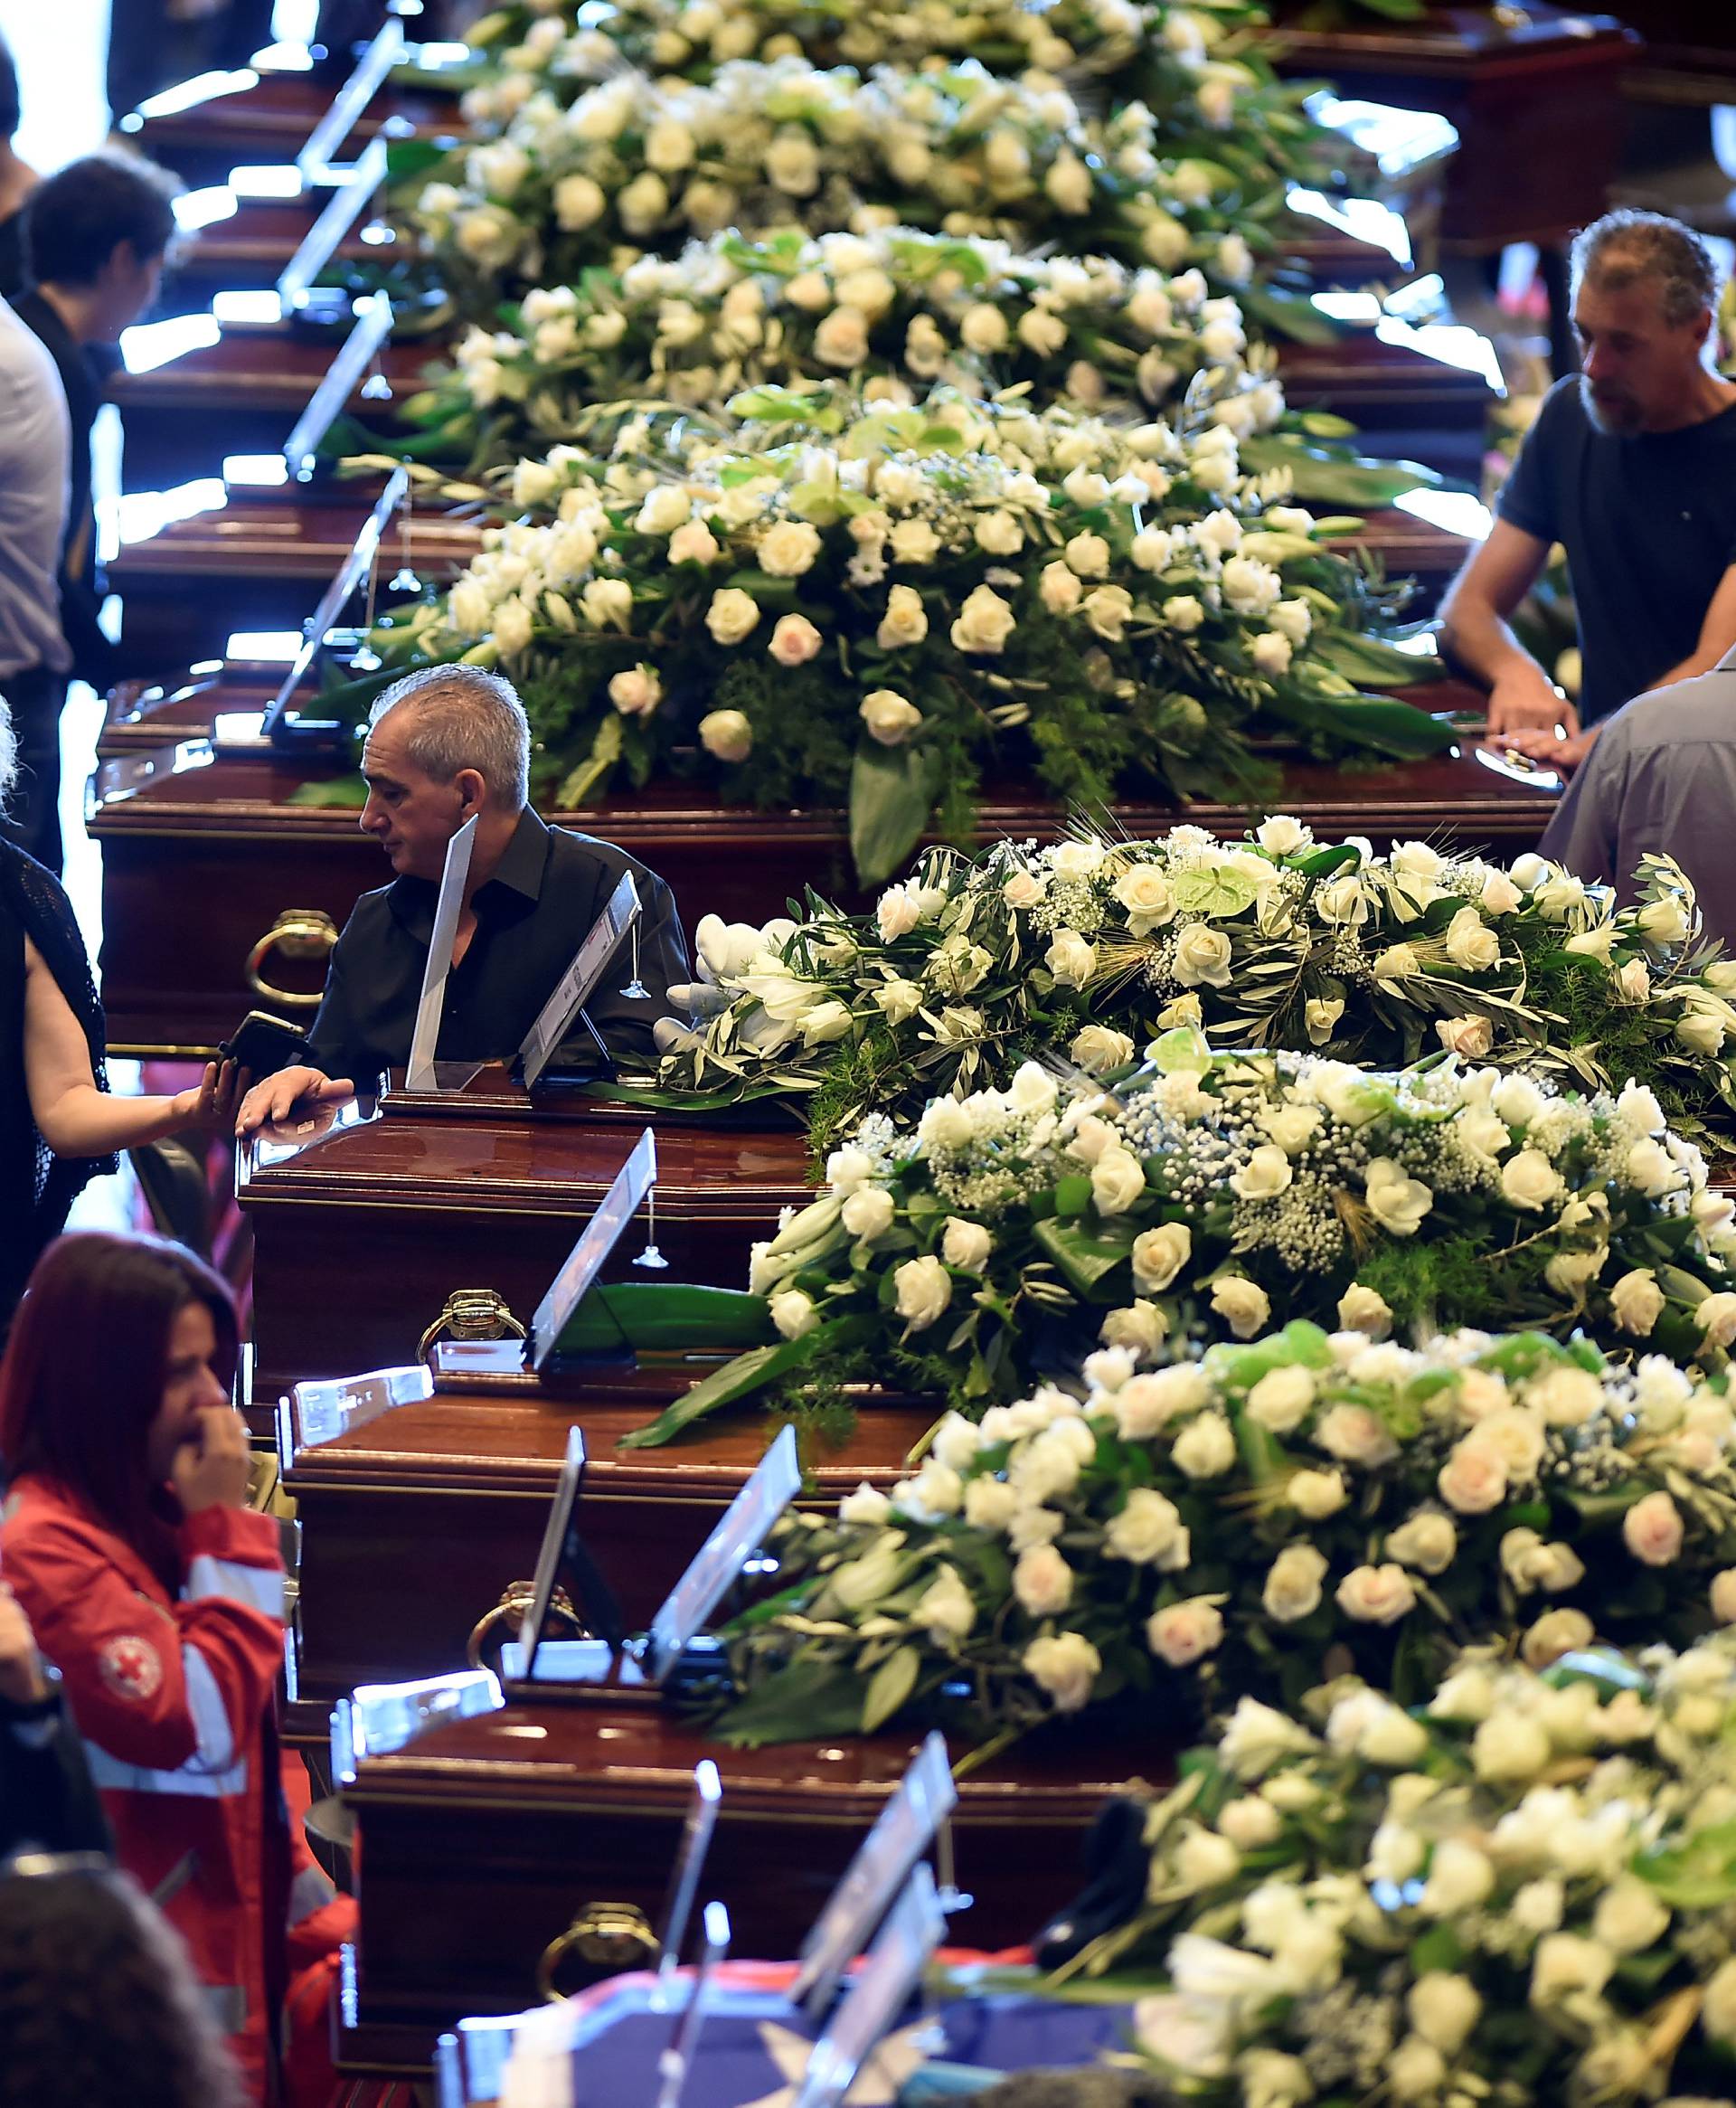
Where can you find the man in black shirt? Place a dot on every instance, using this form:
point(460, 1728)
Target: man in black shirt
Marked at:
point(1631, 466)
point(96, 234)
point(446, 744)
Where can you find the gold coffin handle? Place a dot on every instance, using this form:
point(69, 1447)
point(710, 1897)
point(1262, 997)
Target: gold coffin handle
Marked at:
point(472, 1314)
point(607, 1937)
point(298, 933)
point(515, 1599)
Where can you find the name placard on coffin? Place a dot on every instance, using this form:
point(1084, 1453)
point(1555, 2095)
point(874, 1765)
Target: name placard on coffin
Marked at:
point(209, 862)
point(482, 1840)
point(416, 1519)
point(365, 1225)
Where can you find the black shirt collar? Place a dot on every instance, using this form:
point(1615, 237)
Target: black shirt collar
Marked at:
point(520, 872)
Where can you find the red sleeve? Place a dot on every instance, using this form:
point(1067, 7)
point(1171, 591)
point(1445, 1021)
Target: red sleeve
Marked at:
point(121, 1654)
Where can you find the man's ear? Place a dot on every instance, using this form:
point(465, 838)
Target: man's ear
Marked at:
point(473, 790)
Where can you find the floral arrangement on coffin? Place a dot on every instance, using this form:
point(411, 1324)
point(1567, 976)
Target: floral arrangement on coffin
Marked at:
point(1203, 70)
point(974, 963)
point(1244, 1518)
point(906, 306)
point(1522, 1893)
point(1015, 1229)
point(653, 163)
point(872, 605)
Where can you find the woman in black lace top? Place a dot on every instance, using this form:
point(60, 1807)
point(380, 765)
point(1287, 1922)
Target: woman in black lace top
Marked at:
point(59, 1127)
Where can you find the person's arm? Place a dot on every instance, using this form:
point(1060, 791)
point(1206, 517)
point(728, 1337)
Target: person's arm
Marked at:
point(1477, 636)
point(177, 1691)
point(314, 1081)
point(1717, 636)
point(46, 1797)
point(71, 1115)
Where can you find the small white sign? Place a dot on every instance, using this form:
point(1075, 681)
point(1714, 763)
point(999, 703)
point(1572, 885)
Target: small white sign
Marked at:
point(745, 1525)
point(893, 1968)
point(447, 910)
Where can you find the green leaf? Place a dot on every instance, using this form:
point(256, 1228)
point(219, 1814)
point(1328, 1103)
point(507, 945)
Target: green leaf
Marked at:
point(891, 795)
point(1368, 662)
point(1391, 728)
point(890, 1686)
point(667, 1315)
point(1322, 476)
point(1291, 314)
point(349, 792)
point(1082, 1257)
point(594, 771)
point(741, 1377)
point(802, 1703)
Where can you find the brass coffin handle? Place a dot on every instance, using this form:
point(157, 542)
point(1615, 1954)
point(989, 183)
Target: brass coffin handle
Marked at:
point(298, 933)
point(607, 1937)
point(472, 1314)
point(515, 1599)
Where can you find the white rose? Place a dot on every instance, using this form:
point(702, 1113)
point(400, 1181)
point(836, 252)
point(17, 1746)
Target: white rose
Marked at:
point(1087, 556)
point(1071, 957)
point(966, 1245)
point(1443, 2008)
point(1460, 1877)
point(1555, 1633)
point(1293, 1583)
point(1365, 1311)
point(890, 718)
point(1148, 1402)
point(1474, 1479)
point(1637, 1301)
point(579, 204)
point(726, 734)
point(1271, 653)
point(1715, 1315)
point(1202, 957)
point(1249, 1823)
point(1470, 1037)
point(1064, 1665)
point(1366, 1725)
point(1652, 1530)
point(694, 543)
point(1159, 1255)
point(1118, 1181)
point(1567, 1966)
point(1148, 1532)
point(1242, 1304)
point(1183, 1632)
point(1471, 943)
point(1355, 1435)
point(1376, 1596)
point(905, 621)
point(793, 1313)
point(788, 549)
point(731, 615)
point(985, 622)
point(1183, 612)
point(1397, 1202)
point(841, 339)
point(866, 1506)
point(1061, 591)
point(1718, 2014)
point(643, 203)
point(636, 692)
point(1205, 1448)
point(1281, 1398)
point(1428, 1542)
point(1415, 2071)
point(989, 1504)
point(794, 641)
point(1099, 1048)
point(608, 603)
point(924, 1289)
point(869, 1212)
point(983, 328)
point(1266, 1174)
point(1315, 1495)
point(1530, 1564)
point(1629, 1918)
point(945, 1608)
point(1043, 1580)
point(1530, 1181)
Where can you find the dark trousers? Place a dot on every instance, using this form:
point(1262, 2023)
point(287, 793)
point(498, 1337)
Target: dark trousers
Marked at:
point(31, 817)
point(148, 53)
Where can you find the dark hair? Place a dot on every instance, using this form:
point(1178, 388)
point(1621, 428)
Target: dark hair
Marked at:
point(85, 1369)
point(11, 109)
point(1628, 245)
point(100, 2007)
point(74, 220)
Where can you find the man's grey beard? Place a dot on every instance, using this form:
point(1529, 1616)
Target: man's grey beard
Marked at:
point(1615, 428)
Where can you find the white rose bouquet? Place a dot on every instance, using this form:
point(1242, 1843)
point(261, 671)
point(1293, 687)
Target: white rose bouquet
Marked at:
point(1280, 940)
point(651, 163)
point(1521, 1891)
point(872, 605)
point(896, 309)
point(1246, 1517)
point(1016, 1230)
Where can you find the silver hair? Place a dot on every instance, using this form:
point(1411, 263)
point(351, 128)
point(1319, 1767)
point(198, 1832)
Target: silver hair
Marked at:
point(8, 751)
point(463, 717)
point(1628, 245)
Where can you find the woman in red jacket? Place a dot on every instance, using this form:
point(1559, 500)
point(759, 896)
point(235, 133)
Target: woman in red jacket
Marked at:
point(158, 1595)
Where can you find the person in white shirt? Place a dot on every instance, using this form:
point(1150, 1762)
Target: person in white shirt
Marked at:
point(35, 454)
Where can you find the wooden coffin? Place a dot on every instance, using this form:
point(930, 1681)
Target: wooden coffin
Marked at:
point(415, 1524)
point(259, 562)
point(242, 394)
point(1535, 92)
point(482, 1839)
point(247, 118)
point(362, 1228)
point(220, 893)
point(265, 553)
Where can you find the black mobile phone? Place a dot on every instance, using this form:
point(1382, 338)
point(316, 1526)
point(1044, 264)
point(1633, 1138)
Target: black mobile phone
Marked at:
point(262, 1044)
